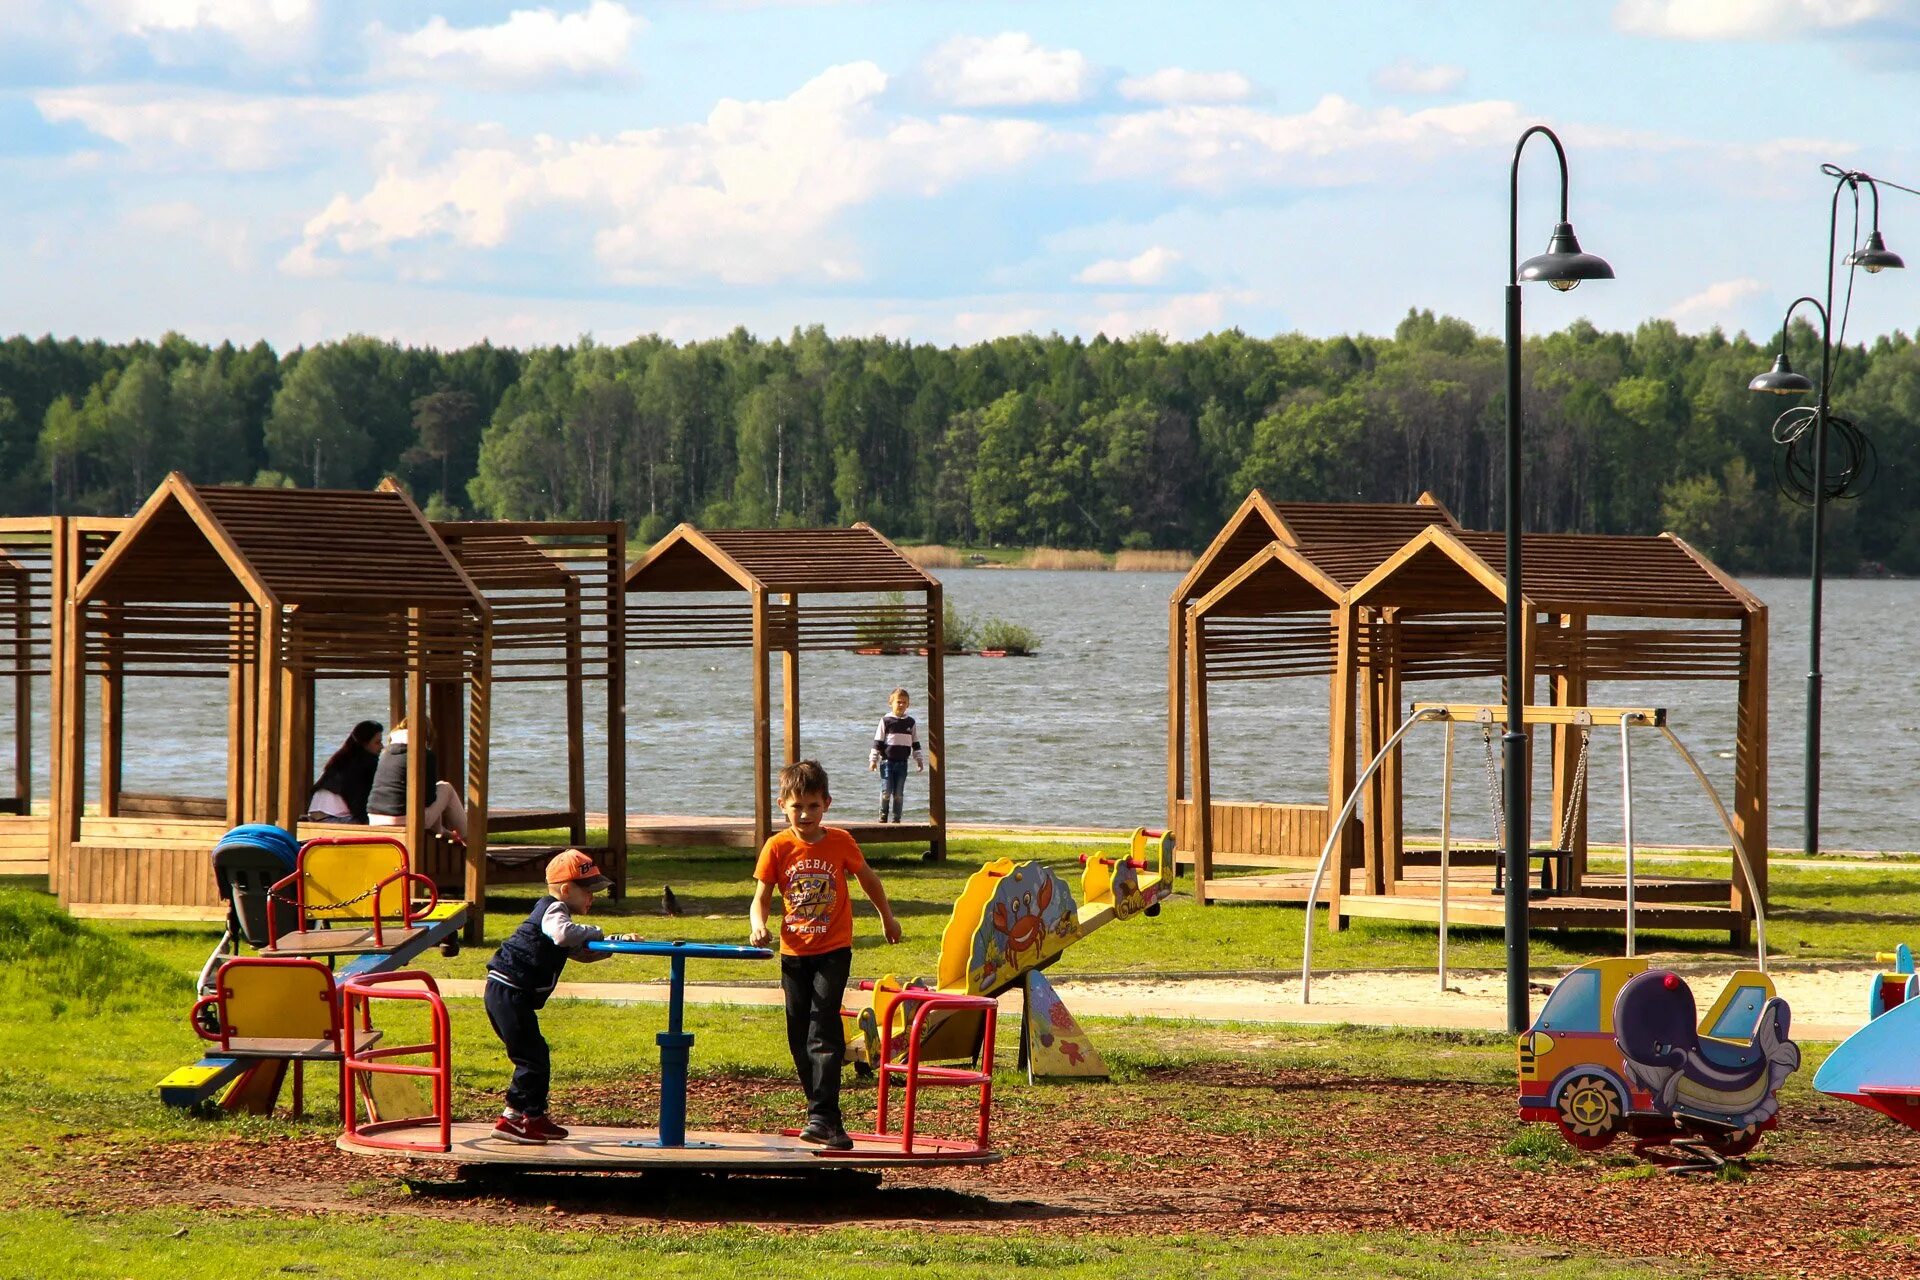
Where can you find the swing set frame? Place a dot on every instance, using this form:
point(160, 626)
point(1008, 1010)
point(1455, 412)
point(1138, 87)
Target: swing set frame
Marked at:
point(1583, 719)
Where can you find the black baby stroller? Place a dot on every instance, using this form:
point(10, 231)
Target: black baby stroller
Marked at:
point(247, 862)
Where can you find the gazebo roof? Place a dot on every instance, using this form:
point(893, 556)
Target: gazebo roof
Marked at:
point(778, 561)
point(1607, 575)
point(371, 552)
point(1315, 527)
point(502, 562)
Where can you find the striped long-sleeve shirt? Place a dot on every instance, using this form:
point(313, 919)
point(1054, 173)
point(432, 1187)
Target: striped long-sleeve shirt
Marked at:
point(895, 740)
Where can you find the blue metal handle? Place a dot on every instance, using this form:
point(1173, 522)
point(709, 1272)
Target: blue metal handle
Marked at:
point(678, 950)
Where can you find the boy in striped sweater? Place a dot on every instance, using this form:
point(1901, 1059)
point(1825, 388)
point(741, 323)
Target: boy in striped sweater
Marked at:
point(893, 742)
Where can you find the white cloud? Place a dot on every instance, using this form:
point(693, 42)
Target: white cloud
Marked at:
point(244, 18)
point(752, 194)
point(1007, 70)
point(1750, 19)
point(1148, 267)
point(1336, 143)
point(1183, 316)
point(1410, 77)
point(1716, 303)
point(208, 130)
point(1177, 84)
point(532, 45)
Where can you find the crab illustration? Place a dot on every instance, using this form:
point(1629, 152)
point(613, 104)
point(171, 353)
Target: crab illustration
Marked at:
point(1024, 928)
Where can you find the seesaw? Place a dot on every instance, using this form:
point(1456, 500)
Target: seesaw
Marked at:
point(1878, 1066)
point(1010, 922)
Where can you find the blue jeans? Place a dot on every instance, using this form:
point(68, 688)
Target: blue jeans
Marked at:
point(893, 787)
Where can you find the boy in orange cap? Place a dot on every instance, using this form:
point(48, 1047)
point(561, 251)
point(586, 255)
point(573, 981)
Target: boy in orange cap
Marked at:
point(520, 977)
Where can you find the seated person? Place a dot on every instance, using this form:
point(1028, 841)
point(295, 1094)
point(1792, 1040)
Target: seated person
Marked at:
point(387, 803)
point(340, 794)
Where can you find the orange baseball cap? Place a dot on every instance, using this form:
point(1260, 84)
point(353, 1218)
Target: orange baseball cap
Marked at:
point(575, 867)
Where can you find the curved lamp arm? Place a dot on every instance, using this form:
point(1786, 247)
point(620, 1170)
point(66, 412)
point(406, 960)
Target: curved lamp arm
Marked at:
point(1513, 203)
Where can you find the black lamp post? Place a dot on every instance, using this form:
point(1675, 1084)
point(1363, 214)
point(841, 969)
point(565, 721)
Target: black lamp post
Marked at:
point(1563, 266)
point(1794, 425)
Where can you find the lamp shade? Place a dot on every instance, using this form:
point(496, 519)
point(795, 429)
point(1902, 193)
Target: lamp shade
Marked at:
point(1781, 380)
point(1564, 265)
point(1874, 255)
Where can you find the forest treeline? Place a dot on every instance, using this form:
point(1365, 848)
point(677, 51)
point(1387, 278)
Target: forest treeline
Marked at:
point(1027, 440)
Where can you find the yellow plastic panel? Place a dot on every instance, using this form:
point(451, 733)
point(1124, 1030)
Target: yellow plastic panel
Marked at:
point(272, 1002)
point(956, 944)
point(341, 873)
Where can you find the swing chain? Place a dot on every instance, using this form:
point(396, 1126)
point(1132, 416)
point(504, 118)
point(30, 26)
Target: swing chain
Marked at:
point(1577, 793)
point(285, 900)
point(1493, 785)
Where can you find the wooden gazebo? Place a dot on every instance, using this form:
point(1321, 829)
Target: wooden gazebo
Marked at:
point(774, 568)
point(558, 598)
point(1438, 604)
point(1375, 606)
point(268, 590)
point(41, 557)
point(1266, 601)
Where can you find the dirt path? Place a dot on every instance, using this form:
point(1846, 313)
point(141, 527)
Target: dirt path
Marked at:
point(1218, 1149)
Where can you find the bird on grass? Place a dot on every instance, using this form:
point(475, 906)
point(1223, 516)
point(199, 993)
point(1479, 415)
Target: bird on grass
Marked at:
point(669, 905)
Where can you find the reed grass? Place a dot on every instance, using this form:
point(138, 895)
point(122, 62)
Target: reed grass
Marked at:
point(1153, 561)
point(1056, 558)
point(936, 556)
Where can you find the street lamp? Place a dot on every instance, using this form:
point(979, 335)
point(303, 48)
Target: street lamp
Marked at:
point(1809, 478)
point(1563, 266)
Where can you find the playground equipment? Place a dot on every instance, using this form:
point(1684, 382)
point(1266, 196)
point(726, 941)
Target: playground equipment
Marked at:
point(423, 1130)
point(1617, 1050)
point(1584, 720)
point(1878, 1066)
point(305, 909)
point(1009, 923)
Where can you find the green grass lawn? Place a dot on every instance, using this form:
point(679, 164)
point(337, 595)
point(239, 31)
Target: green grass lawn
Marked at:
point(1817, 914)
point(92, 1014)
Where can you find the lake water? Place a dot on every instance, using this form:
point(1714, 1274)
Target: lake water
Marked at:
point(1077, 734)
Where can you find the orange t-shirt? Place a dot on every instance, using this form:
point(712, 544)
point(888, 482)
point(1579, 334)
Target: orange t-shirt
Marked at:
point(816, 916)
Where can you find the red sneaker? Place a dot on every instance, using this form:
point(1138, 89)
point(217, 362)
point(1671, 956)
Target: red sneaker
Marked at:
point(518, 1129)
point(544, 1128)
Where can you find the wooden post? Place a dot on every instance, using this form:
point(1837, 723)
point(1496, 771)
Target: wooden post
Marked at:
point(1393, 834)
point(576, 720)
point(113, 683)
point(447, 719)
point(479, 757)
point(1202, 791)
point(617, 709)
point(239, 709)
point(396, 700)
point(1570, 690)
point(270, 721)
point(762, 726)
point(1750, 763)
point(790, 677)
point(937, 718)
point(306, 713)
point(1341, 766)
point(71, 802)
point(417, 734)
point(61, 581)
point(1373, 862)
point(1176, 713)
point(23, 690)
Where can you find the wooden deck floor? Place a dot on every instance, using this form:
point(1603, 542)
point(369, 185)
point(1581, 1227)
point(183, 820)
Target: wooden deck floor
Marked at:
point(676, 830)
point(604, 1149)
point(1660, 902)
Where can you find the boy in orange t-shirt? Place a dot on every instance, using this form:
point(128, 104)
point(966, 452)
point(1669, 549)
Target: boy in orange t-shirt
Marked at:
point(809, 862)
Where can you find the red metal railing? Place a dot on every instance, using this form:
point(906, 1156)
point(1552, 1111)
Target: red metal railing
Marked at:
point(913, 1073)
point(362, 1062)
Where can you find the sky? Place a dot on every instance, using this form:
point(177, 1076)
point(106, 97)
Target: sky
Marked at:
point(946, 171)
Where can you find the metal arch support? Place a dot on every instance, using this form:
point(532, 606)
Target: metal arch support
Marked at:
point(1333, 837)
point(1739, 849)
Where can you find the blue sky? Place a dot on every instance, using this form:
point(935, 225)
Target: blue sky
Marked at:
point(452, 170)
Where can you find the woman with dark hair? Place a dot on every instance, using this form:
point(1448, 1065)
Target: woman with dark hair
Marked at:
point(387, 804)
point(340, 794)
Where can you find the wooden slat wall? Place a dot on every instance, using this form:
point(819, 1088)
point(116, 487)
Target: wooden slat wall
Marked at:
point(1256, 834)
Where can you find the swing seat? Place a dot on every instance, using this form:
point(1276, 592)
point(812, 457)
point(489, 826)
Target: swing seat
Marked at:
point(1556, 871)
